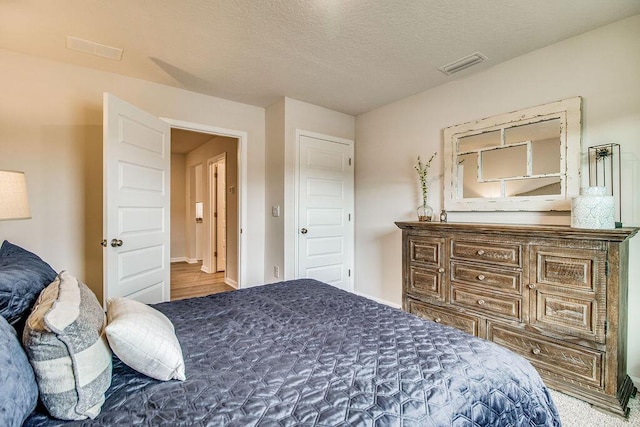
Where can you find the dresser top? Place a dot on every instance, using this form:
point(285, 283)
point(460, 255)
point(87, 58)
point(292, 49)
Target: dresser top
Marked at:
point(559, 231)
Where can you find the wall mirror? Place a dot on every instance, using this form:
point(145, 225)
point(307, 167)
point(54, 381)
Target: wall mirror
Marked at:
point(527, 160)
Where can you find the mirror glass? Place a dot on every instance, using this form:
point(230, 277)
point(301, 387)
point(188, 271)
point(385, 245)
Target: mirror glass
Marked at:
point(508, 162)
point(525, 160)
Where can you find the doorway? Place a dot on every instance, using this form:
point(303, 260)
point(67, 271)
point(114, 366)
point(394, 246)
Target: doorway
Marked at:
point(205, 225)
point(138, 207)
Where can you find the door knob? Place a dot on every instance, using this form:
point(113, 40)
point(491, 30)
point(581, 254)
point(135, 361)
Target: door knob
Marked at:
point(115, 243)
point(303, 230)
point(103, 243)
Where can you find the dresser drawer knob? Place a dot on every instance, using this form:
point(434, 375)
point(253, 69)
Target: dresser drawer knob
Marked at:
point(480, 252)
point(437, 320)
point(441, 270)
point(481, 301)
point(531, 285)
point(481, 277)
point(536, 351)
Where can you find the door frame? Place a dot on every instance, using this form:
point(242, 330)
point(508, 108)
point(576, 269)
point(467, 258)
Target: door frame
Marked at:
point(242, 180)
point(296, 199)
point(213, 225)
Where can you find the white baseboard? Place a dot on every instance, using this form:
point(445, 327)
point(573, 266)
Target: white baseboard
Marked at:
point(231, 282)
point(381, 301)
point(204, 269)
point(185, 259)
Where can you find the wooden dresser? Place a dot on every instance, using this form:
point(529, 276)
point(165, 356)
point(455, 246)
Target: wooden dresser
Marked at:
point(554, 294)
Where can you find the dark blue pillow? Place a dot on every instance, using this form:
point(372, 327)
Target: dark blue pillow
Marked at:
point(18, 388)
point(22, 276)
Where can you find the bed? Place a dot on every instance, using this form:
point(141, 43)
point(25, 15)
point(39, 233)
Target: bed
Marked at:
point(302, 352)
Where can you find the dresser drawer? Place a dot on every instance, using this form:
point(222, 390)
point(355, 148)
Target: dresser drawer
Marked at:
point(569, 314)
point(463, 321)
point(552, 359)
point(574, 269)
point(508, 254)
point(568, 288)
point(425, 283)
point(425, 250)
point(487, 278)
point(491, 304)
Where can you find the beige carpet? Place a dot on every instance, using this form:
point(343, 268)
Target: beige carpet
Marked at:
point(576, 413)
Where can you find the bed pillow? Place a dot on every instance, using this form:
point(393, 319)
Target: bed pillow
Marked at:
point(18, 389)
point(144, 339)
point(65, 343)
point(22, 276)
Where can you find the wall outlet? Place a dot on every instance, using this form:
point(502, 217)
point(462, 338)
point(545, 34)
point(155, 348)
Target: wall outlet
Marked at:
point(275, 211)
point(276, 271)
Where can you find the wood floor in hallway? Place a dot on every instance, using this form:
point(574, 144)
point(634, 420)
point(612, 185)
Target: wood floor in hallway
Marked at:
point(187, 280)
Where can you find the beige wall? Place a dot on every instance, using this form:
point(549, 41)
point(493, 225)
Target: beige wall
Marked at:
point(283, 120)
point(51, 128)
point(200, 157)
point(178, 207)
point(602, 66)
point(274, 188)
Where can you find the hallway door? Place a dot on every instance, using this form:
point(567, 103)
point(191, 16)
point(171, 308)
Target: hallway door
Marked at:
point(137, 161)
point(221, 215)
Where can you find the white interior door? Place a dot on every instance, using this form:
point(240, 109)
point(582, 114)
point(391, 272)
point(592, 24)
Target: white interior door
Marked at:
point(221, 215)
point(137, 161)
point(325, 211)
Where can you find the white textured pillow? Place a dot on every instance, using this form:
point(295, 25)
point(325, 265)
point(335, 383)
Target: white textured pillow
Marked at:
point(144, 339)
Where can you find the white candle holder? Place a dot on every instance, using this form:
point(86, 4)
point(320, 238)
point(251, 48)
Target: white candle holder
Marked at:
point(594, 208)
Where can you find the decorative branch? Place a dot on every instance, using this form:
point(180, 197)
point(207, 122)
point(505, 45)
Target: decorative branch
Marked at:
point(423, 175)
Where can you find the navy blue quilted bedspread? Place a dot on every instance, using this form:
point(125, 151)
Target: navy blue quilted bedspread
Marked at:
point(305, 353)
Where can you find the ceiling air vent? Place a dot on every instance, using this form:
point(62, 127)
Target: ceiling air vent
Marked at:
point(94, 48)
point(462, 63)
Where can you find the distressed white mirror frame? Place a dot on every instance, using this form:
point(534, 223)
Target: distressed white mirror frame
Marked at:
point(567, 111)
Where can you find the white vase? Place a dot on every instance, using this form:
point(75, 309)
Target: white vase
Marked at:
point(594, 209)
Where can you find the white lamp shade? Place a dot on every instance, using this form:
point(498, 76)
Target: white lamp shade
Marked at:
point(14, 203)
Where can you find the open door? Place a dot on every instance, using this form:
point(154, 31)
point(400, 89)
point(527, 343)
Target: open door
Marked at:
point(136, 168)
point(221, 215)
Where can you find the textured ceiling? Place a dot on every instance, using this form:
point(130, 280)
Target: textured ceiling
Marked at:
point(347, 55)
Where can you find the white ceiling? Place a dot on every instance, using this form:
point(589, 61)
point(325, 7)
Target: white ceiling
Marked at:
point(347, 55)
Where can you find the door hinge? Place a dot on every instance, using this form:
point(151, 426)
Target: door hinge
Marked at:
point(606, 326)
point(349, 273)
point(606, 268)
point(215, 214)
point(215, 174)
point(349, 161)
point(349, 217)
point(215, 254)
